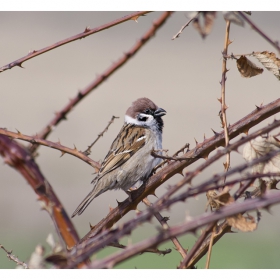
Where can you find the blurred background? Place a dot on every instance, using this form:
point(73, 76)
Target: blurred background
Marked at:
point(182, 76)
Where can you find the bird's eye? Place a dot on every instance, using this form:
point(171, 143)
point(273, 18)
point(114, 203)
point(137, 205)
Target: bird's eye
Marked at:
point(142, 119)
point(147, 111)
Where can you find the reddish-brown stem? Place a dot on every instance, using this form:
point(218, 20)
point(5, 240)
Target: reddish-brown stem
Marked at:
point(85, 33)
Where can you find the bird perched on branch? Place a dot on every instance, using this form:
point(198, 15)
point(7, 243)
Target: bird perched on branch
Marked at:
point(129, 159)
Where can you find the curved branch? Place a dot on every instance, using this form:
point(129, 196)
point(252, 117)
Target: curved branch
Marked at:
point(57, 146)
point(85, 33)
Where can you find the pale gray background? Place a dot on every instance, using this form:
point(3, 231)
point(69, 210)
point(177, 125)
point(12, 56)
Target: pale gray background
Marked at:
point(181, 76)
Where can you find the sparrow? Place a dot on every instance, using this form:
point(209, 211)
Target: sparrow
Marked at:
point(129, 159)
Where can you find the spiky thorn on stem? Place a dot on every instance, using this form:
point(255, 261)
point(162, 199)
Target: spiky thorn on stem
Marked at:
point(56, 146)
point(184, 26)
point(13, 257)
point(275, 44)
point(101, 78)
point(165, 226)
point(223, 96)
point(84, 34)
point(149, 250)
point(88, 150)
point(154, 154)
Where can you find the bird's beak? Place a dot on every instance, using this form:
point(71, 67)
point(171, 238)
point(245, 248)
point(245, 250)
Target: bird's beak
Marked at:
point(159, 112)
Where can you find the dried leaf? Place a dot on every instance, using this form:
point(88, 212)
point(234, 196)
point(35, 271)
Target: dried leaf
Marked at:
point(269, 61)
point(215, 201)
point(247, 68)
point(242, 223)
point(233, 17)
point(208, 23)
point(259, 147)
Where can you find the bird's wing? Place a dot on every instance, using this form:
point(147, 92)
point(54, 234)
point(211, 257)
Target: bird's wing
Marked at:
point(130, 140)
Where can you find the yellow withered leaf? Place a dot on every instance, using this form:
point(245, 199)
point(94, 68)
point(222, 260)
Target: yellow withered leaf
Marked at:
point(269, 61)
point(242, 223)
point(247, 68)
point(208, 18)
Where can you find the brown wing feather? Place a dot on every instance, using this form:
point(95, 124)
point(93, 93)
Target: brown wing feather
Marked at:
point(123, 148)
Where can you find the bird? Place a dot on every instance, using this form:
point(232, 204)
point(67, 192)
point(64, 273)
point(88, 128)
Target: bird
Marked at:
point(129, 159)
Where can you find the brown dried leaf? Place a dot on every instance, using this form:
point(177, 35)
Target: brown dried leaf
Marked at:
point(259, 147)
point(208, 23)
point(269, 61)
point(247, 68)
point(242, 223)
point(215, 201)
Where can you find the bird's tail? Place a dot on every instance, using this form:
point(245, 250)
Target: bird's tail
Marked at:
point(84, 204)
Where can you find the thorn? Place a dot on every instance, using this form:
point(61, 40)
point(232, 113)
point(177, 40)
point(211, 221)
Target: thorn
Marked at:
point(20, 65)
point(227, 70)
point(195, 142)
point(246, 131)
point(205, 156)
point(220, 82)
point(135, 18)
point(58, 142)
point(258, 108)
point(18, 132)
point(119, 203)
point(165, 219)
point(226, 165)
point(225, 107)
point(229, 42)
point(267, 208)
point(91, 226)
point(204, 137)
point(220, 100)
point(75, 147)
point(87, 29)
point(110, 208)
point(62, 154)
point(215, 133)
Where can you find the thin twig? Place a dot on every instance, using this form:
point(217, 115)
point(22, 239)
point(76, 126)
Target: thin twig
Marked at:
point(14, 258)
point(183, 27)
point(85, 33)
point(197, 245)
point(223, 96)
point(88, 151)
point(61, 115)
point(154, 154)
point(163, 222)
point(148, 250)
point(275, 44)
point(56, 146)
point(210, 248)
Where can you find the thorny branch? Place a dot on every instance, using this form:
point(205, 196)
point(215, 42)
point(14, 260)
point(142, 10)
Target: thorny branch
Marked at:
point(13, 257)
point(190, 226)
point(17, 157)
point(177, 35)
point(163, 222)
point(223, 94)
point(57, 146)
point(85, 33)
point(88, 150)
point(61, 115)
